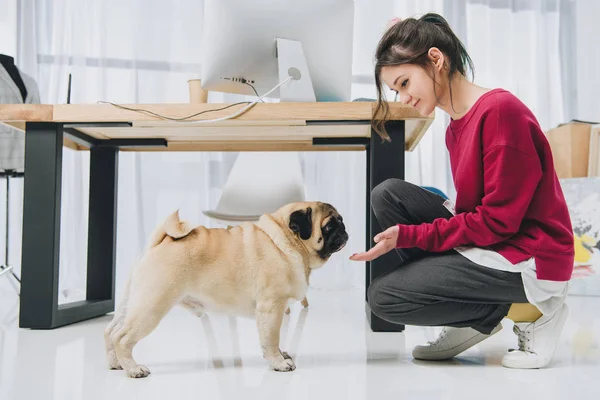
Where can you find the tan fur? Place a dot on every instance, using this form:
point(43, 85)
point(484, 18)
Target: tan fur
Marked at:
point(250, 270)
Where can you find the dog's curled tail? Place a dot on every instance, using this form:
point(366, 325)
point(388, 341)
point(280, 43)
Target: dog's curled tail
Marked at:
point(173, 227)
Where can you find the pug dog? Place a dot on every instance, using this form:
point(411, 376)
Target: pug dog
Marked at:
point(254, 270)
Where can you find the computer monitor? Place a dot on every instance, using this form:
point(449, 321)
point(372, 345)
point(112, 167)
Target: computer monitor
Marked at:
point(242, 39)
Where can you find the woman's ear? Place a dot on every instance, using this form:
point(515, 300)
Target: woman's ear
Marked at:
point(437, 58)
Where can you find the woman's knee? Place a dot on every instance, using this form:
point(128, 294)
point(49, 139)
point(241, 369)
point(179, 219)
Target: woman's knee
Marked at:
point(382, 194)
point(375, 304)
point(387, 305)
point(373, 293)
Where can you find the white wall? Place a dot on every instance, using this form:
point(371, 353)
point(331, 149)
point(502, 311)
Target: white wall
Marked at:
point(588, 60)
point(8, 27)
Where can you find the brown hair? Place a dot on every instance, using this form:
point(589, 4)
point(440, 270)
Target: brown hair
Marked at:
point(408, 42)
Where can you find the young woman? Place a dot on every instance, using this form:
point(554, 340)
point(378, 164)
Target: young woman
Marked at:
point(506, 248)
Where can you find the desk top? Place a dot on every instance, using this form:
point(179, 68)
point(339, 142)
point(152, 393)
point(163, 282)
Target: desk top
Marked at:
point(266, 126)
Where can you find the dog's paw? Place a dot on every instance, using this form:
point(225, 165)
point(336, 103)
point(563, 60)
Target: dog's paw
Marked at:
point(286, 355)
point(286, 365)
point(139, 371)
point(113, 362)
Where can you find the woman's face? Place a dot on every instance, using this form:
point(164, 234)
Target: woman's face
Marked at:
point(415, 86)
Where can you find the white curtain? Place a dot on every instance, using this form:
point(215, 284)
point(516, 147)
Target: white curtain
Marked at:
point(143, 51)
point(516, 45)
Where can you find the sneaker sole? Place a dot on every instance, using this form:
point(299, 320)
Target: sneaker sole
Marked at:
point(453, 352)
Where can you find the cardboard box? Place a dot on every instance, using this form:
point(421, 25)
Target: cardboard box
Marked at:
point(570, 144)
point(594, 159)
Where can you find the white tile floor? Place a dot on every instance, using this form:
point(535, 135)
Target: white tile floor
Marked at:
point(337, 357)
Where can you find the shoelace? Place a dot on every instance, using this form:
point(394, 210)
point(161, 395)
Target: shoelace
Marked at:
point(524, 339)
point(439, 338)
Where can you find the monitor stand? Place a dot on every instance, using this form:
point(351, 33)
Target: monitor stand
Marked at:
point(292, 62)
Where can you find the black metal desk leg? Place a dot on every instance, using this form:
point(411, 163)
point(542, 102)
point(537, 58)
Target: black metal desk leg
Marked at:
point(102, 224)
point(41, 231)
point(385, 160)
point(41, 225)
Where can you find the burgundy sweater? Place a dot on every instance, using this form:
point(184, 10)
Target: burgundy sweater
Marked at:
point(508, 195)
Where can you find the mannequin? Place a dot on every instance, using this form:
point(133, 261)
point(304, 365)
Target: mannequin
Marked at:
point(15, 88)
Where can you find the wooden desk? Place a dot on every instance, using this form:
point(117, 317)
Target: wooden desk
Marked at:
point(105, 130)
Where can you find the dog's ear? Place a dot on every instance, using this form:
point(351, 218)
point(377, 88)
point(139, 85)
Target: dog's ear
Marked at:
point(301, 222)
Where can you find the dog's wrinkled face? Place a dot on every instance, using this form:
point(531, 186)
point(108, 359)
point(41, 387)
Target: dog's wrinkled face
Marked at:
point(320, 226)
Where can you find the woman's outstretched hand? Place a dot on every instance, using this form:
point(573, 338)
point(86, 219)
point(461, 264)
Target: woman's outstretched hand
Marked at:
point(385, 241)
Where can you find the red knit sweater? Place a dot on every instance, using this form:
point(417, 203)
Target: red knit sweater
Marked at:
point(508, 195)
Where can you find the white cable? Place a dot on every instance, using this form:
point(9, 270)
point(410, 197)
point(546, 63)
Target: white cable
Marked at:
point(243, 110)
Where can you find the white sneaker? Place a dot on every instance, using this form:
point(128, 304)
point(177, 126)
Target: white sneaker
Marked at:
point(450, 343)
point(537, 341)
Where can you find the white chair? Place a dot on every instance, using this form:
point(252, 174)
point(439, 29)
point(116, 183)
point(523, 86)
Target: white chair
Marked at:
point(259, 183)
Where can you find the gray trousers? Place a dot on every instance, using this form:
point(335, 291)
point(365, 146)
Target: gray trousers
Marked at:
point(435, 289)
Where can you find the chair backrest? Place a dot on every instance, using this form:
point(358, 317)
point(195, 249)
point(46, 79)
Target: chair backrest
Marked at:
point(259, 183)
point(436, 191)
